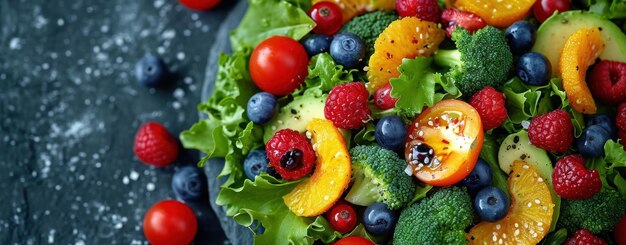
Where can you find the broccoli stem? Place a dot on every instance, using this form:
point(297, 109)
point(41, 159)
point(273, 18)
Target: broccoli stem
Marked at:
point(448, 58)
point(364, 192)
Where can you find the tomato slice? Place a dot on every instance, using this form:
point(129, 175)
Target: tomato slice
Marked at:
point(444, 142)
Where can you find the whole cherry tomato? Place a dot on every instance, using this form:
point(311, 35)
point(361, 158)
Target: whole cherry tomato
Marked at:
point(354, 240)
point(199, 5)
point(545, 8)
point(278, 65)
point(170, 222)
point(342, 217)
point(327, 16)
point(619, 233)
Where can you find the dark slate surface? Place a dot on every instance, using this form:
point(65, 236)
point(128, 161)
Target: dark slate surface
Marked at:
point(69, 108)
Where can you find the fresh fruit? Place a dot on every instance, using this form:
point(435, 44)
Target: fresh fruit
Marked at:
point(479, 178)
point(530, 214)
point(295, 115)
point(346, 106)
point(151, 72)
point(521, 37)
point(391, 132)
point(327, 17)
point(256, 162)
point(278, 65)
point(542, 9)
point(189, 183)
point(404, 38)
point(291, 154)
point(154, 145)
point(379, 219)
point(261, 107)
point(342, 217)
point(591, 142)
point(170, 222)
point(552, 131)
point(352, 8)
point(491, 204)
point(604, 121)
point(354, 240)
point(573, 181)
point(619, 233)
point(584, 237)
point(452, 18)
point(496, 13)
point(315, 195)
point(607, 82)
point(444, 142)
point(199, 5)
point(427, 10)
point(622, 136)
point(552, 35)
point(620, 118)
point(534, 69)
point(316, 44)
point(348, 50)
point(383, 99)
point(490, 104)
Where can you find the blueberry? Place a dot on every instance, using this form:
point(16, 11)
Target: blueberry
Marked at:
point(348, 50)
point(189, 183)
point(391, 132)
point(491, 204)
point(379, 219)
point(316, 44)
point(480, 176)
point(150, 71)
point(603, 120)
point(591, 142)
point(261, 107)
point(256, 162)
point(520, 36)
point(534, 69)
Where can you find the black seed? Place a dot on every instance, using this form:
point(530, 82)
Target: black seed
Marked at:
point(516, 139)
point(292, 160)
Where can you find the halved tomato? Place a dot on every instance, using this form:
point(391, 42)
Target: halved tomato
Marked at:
point(444, 142)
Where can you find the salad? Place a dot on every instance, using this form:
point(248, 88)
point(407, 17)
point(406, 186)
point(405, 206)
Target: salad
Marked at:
point(422, 122)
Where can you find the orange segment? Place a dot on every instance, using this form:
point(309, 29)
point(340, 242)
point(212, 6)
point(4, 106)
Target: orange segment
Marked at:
point(333, 168)
point(404, 38)
point(351, 8)
point(579, 52)
point(497, 13)
point(530, 214)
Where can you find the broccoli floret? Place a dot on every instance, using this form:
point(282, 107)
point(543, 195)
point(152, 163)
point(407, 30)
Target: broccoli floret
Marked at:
point(480, 60)
point(369, 26)
point(379, 176)
point(438, 219)
point(598, 214)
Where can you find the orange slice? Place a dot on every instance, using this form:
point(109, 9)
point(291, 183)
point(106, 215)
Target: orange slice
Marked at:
point(497, 13)
point(404, 38)
point(333, 168)
point(579, 52)
point(530, 214)
point(351, 8)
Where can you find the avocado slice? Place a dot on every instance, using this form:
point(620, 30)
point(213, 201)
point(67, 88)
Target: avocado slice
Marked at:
point(554, 32)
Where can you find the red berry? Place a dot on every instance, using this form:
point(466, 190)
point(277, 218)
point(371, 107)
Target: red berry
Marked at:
point(490, 106)
point(342, 217)
point(619, 233)
point(572, 180)
point(451, 18)
point(620, 118)
point(584, 237)
point(607, 81)
point(545, 8)
point(424, 9)
point(291, 154)
point(199, 5)
point(154, 145)
point(355, 240)
point(346, 106)
point(552, 131)
point(327, 16)
point(383, 99)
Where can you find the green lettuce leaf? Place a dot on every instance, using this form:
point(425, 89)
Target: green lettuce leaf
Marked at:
point(612, 9)
point(610, 166)
point(614, 154)
point(360, 231)
point(421, 191)
point(556, 238)
point(324, 74)
point(366, 135)
point(489, 153)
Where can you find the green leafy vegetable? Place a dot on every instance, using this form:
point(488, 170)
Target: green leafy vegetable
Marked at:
point(360, 231)
point(366, 135)
point(556, 238)
point(325, 74)
point(489, 153)
point(612, 9)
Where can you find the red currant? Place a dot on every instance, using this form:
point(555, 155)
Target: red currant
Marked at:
point(327, 16)
point(342, 217)
point(545, 8)
point(383, 98)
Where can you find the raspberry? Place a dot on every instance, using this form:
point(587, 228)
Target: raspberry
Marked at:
point(346, 106)
point(620, 119)
point(424, 9)
point(291, 154)
point(607, 82)
point(622, 136)
point(452, 18)
point(584, 237)
point(552, 131)
point(154, 145)
point(572, 180)
point(490, 106)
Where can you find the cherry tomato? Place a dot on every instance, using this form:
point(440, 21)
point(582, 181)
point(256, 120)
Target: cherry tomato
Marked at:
point(199, 5)
point(354, 240)
point(278, 65)
point(444, 142)
point(170, 222)
point(342, 217)
point(619, 233)
point(545, 8)
point(383, 99)
point(327, 16)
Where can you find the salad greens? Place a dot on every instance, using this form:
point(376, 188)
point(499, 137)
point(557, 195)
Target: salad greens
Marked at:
point(324, 74)
point(612, 9)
